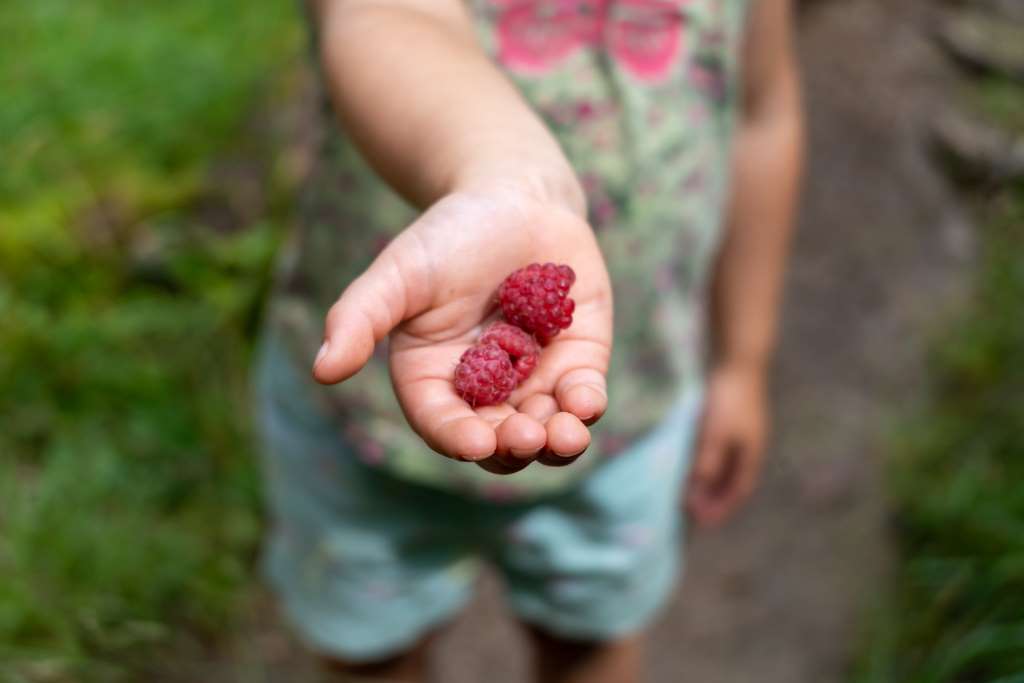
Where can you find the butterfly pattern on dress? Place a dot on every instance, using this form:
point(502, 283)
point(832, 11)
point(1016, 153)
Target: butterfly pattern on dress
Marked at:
point(645, 37)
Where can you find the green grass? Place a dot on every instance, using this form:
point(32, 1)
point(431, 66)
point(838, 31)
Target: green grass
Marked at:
point(128, 493)
point(957, 609)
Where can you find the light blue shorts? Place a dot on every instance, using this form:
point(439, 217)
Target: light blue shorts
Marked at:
point(365, 564)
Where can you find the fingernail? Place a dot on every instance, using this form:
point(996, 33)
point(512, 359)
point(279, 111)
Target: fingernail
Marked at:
point(320, 354)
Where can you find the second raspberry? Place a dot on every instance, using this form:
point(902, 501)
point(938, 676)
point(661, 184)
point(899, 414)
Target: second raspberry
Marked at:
point(523, 350)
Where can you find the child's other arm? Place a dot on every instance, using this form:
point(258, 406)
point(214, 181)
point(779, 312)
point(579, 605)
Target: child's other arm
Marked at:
point(427, 107)
point(767, 164)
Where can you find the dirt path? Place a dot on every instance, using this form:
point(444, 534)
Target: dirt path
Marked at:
point(776, 597)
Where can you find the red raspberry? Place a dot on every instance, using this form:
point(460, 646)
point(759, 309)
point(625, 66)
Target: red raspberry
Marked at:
point(535, 298)
point(522, 349)
point(484, 376)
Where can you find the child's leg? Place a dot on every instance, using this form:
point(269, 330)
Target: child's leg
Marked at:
point(574, 661)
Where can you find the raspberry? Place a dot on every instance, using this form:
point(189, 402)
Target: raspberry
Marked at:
point(484, 376)
point(535, 298)
point(522, 349)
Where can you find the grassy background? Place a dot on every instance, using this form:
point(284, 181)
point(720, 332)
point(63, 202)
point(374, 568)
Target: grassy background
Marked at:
point(131, 275)
point(956, 614)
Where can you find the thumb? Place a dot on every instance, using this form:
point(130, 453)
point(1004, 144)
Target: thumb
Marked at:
point(369, 308)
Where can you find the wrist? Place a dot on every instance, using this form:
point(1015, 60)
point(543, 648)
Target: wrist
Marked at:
point(548, 183)
point(749, 368)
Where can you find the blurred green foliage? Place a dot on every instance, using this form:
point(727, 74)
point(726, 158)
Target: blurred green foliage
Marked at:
point(130, 286)
point(957, 611)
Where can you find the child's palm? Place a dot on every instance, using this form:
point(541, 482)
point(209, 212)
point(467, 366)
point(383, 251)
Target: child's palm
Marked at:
point(433, 288)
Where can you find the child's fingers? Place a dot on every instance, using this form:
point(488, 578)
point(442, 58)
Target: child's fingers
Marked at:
point(444, 421)
point(573, 370)
point(540, 407)
point(568, 437)
point(721, 496)
point(369, 308)
point(744, 469)
point(707, 468)
point(712, 485)
point(582, 392)
point(520, 437)
point(465, 437)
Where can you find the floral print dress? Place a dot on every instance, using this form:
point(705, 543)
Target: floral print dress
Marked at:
point(641, 94)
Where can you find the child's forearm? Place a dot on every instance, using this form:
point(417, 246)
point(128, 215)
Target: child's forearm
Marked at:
point(767, 166)
point(428, 109)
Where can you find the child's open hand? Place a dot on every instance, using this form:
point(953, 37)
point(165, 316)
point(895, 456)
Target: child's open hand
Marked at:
point(433, 288)
point(731, 444)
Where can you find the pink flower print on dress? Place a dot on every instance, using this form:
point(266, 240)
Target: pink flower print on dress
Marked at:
point(368, 449)
point(535, 35)
point(569, 113)
point(643, 36)
point(585, 110)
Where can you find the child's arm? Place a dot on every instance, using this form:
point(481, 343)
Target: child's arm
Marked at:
point(427, 107)
point(766, 170)
point(441, 124)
